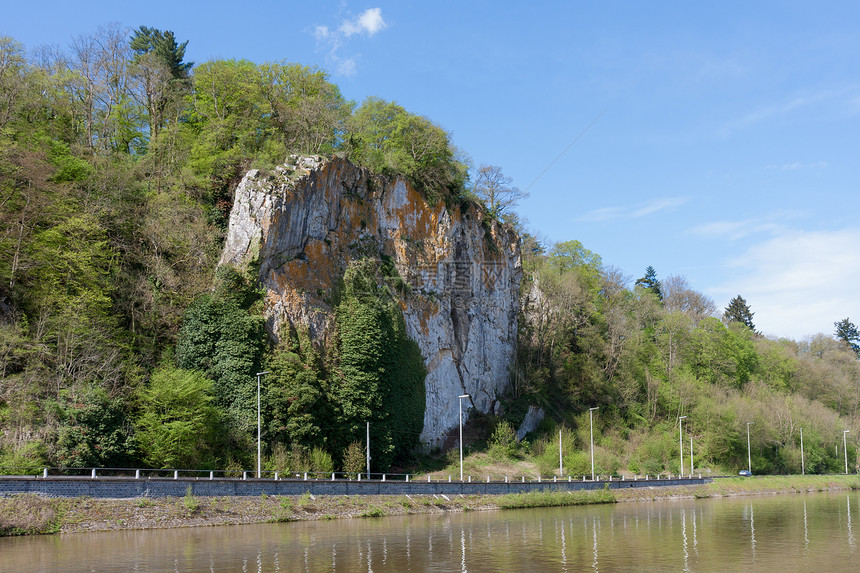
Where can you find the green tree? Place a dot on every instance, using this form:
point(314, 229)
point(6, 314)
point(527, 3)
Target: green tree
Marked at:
point(307, 111)
point(650, 282)
point(381, 371)
point(354, 459)
point(158, 64)
point(223, 337)
point(95, 431)
point(386, 138)
point(13, 78)
point(179, 424)
point(847, 332)
point(227, 121)
point(297, 401)
point(739, 311)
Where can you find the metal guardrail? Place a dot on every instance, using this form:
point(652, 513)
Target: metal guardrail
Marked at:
point(302, 475)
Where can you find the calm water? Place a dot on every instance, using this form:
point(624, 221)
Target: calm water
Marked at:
point(779, 533)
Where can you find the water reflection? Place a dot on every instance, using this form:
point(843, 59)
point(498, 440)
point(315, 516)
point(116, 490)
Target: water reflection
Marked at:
point(684, 535)
point(785, 533)
point(752, 531)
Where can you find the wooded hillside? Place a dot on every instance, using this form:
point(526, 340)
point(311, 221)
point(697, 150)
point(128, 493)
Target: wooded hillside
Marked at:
point(120, 345)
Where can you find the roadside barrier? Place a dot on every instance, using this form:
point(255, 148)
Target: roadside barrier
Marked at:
point(134, 482)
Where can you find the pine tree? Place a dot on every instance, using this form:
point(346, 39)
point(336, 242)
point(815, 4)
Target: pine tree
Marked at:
point(650, 282)
point(847, 331)
point(739, 311)
point(164, 76)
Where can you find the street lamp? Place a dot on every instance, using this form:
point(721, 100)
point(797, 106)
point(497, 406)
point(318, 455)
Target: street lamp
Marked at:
point(591, 423)
point(845, 449)
point(681, 443)
point(802, 464)
point(460, 401)
point(749, 454)
point(258, 420)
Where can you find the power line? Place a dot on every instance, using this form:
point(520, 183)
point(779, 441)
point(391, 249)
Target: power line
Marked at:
point(565, 150)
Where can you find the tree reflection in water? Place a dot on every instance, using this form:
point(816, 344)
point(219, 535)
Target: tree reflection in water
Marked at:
point(785, 533)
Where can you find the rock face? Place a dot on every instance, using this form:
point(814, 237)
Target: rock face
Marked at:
point(533, 418)
point(306, 221)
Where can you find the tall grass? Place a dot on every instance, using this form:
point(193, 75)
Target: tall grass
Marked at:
point(555, 498)
point(29, 514)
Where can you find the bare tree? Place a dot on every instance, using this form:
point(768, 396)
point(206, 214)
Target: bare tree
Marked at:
point(678, 296)
point(494, 188)
point(101, 85)
point(12, 82)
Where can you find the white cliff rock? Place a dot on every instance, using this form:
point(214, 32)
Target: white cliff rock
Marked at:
point(304, 224)
point(533, 418)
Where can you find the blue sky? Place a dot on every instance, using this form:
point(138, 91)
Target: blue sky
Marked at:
point(718, 141)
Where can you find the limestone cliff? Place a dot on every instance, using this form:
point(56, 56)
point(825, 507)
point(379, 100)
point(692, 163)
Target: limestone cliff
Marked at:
point(308, 219)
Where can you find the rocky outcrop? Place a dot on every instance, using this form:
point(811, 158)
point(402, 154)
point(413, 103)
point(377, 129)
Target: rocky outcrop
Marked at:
point(304, 223)
point(533, 418)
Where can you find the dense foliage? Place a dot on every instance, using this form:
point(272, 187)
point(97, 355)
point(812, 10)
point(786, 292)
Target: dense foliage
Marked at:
point(645, 357)
point(117, 162)
point(120, 344)
point(381, 370)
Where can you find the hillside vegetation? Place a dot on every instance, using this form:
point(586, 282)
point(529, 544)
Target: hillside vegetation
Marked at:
point(648, 352)
point(121, 345)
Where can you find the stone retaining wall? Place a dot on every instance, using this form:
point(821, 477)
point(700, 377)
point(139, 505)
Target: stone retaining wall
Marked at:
point(162, 487)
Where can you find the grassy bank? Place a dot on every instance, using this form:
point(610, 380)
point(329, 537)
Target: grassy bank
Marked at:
point(724, 487)
point(31, 514)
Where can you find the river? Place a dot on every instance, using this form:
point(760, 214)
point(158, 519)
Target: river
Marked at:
point(758, 533)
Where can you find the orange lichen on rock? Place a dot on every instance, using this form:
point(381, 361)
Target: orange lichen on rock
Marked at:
point(459, 296)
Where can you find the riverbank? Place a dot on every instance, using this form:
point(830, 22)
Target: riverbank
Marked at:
point(31, 514)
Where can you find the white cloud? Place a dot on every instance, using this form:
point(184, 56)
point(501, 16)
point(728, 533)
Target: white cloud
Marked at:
point(771, 223)
point(734, 230)
point(657, 205)
point(798, 165)
point(842, 100)
point(633, 211)
point(370, 22)
point(346, 67)
point(797, 283)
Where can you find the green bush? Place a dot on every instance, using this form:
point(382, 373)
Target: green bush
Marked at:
point(578, 463)
point(354, 459)
point(31, 458)
point(321, 461)
point(503, 443)
point(179, 425)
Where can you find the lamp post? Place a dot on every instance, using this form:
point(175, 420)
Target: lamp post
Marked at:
point(560, 463)
point(460, 401)
point(681, 442)
point(802, 464)
point(749, 452)
point(691, 456)
point(591, 423)
point(258, 420)
point(845, 449)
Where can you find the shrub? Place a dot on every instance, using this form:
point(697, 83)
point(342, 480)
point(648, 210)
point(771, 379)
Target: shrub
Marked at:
point(354, 459)
point(30, 459)
point(321, 461)
point(179, 424)
point(191, 503)
point(503, 443)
